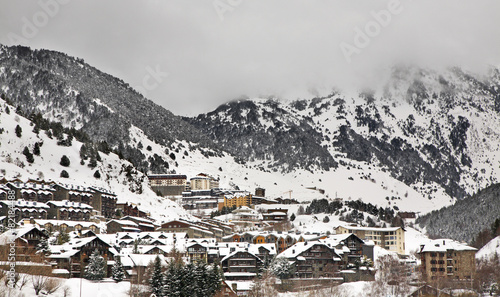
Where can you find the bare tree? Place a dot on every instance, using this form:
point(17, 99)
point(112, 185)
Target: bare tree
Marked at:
point(392, 278)
point(52, 285)
point(264, 287)
point(38, 282)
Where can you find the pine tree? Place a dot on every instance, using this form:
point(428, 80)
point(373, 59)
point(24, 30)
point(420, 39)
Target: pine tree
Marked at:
point(95, 268)
point(156, 281)
point(36, 149)
point(172, 284)
point(19, 131)
point(65, 161)
point(282, 268)
point(97, 174)
point(62, 238)
point(43, 246)
point(214, 280)
point(117, 271)
point(28, 154)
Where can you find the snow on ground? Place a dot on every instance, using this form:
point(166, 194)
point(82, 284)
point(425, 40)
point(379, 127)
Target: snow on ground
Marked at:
point(13, 164)
point(354, 289)
point(491, 249)
point(75, 286)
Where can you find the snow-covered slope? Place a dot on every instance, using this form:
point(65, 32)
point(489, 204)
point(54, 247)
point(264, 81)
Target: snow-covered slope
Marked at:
point(490, 251)
point(46, 166)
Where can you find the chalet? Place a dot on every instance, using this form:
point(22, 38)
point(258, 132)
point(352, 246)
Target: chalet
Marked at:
point(313, 259)
point(69, 210)
point(349, 247)
point(392, 238)
point(131, 209)
point(197, 251)
point(24, 209)
point(115, 226)
point(143, 224)
point(193, 230)
point(26, 239)
point(74, 255)
point(274, 216)
point(241, 265)
point(447, 259)
point(65, 226)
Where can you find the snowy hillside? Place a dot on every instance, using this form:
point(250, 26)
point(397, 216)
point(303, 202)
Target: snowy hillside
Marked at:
point(418, 142)
point(490, 251)
point(46, 166)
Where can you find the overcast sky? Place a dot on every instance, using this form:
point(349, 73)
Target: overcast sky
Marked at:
point(206, 53)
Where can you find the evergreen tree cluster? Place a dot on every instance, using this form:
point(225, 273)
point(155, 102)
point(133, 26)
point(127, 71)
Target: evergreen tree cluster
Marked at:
point(190, 280)
point(224, 210)
point(358, 207)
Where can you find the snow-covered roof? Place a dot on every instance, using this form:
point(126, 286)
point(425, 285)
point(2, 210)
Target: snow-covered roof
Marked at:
point(240, 251)
point(20, 203)
point(133, 260)
point(443, 245)
point(68, 223)
point(124, 223)
point(380, 229)
point(11, 234)
point(68, 204)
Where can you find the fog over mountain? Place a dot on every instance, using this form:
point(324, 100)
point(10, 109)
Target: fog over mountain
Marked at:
point(205, 53)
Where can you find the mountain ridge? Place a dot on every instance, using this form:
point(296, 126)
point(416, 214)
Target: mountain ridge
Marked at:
point(423, 137)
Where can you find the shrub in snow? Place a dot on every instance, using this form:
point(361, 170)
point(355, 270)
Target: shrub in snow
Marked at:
point(19, 131)
point(65, 161)
point(64, 174)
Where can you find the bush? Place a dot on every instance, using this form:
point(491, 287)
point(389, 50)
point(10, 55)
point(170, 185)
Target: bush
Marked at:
point(28, 154)
point(65, 161)
point(64, 174)
point(19, 131)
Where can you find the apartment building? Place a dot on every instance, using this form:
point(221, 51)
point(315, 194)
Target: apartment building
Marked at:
point(447, 259)
point(392, 238)
point(168, 184)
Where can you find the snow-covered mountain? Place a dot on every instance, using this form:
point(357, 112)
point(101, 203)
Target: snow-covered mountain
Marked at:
point(418, 142)
point(18, 138)
point(435, 132)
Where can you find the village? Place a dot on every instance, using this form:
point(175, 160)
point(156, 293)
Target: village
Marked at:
point(60, 227)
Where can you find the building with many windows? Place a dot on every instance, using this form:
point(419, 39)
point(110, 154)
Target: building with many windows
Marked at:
point(447, 259)
point(392, 238)
point(168, 184)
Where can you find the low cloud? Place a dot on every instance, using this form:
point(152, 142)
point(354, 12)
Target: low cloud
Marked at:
point(258, 48)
